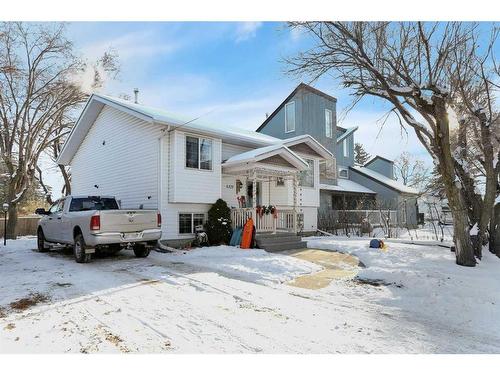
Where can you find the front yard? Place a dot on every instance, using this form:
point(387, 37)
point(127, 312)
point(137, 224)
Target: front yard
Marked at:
point(224, 300)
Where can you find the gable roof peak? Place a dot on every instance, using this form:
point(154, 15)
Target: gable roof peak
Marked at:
point(300, 86)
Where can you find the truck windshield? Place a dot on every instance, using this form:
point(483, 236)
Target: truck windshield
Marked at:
point(93, 203)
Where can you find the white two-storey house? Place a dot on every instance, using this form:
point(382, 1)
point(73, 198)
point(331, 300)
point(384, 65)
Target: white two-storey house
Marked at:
point(148, 158)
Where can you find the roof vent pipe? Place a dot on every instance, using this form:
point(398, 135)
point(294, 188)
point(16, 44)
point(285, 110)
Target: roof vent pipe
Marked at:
point(136, 95)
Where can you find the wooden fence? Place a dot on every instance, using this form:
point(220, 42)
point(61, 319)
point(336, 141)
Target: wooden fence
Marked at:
point(26, 225)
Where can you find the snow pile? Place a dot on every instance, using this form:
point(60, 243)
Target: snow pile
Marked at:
point(250, 265)
point(428, 285)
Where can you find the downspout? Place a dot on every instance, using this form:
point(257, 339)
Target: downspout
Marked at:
point(160, 166)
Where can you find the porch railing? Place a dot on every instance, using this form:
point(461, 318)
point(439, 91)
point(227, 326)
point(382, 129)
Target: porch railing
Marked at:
point(285, 220)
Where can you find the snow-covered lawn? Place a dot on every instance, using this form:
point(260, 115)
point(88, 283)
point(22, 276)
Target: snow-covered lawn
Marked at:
point(223, 299)
point(250, 265)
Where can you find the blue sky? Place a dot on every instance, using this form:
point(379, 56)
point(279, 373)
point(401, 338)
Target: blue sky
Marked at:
point(230, 73)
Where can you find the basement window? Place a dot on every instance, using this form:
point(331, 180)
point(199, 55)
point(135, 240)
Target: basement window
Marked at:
point(189, 221)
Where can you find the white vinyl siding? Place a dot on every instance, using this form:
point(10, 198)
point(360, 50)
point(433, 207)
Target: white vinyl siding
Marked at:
point(229, 150)
point(118, 157)
point(290, 117)
point(328, 123)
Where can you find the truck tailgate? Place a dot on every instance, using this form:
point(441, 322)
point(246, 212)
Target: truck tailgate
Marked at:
point(128, 220)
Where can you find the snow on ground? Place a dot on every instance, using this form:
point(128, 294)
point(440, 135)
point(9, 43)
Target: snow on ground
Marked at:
point(425, 233)
point(428, 285)
point(218, 300)
point(250, 265)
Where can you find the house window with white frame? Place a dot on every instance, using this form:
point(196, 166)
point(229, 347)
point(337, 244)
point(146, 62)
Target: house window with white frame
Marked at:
point(306, 178)
point(198, 153)
point(328, 123)
point(280, 181)
point(290, 117)
point(345, 146)
point(189, 221)
point(343, 173)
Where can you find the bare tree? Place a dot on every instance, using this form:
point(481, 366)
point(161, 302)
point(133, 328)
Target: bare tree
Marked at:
point(477, 79)
point(39, 94)
point(411, 171)
point(410, 65)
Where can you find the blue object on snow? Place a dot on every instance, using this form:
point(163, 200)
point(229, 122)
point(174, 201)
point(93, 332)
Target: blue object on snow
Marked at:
point(236, 237)
point(375, 243)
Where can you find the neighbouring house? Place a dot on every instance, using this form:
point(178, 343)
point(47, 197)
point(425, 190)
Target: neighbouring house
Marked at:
point(149, 158)
point(434, 208)
point(347, 190)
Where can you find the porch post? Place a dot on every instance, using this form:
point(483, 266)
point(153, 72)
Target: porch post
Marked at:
point(254, 190)
point(274, 219)
point(295, 188)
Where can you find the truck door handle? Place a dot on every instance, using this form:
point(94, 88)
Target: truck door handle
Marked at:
point(58, 218)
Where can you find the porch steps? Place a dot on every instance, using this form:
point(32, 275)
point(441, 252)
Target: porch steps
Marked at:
point(279, 241)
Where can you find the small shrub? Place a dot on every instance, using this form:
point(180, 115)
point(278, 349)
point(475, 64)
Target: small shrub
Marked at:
point(218, 226)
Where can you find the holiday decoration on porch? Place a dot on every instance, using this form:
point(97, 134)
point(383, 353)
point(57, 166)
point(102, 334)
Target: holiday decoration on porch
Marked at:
point(266, 210)
point(274, 211)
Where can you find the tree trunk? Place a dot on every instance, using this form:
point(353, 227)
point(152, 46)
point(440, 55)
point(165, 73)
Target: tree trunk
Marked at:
point(455, 193)
point(67, 181)
point(12, 222)
point(495, 231)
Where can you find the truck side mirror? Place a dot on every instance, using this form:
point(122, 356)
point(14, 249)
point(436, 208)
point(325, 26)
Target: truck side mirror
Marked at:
point(41, 211)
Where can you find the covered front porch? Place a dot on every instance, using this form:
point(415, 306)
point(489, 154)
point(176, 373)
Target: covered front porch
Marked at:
point(266, 187)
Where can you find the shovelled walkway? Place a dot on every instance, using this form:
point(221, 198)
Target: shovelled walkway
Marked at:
point(336, 266)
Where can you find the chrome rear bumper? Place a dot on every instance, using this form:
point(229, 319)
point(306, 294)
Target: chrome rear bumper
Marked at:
point(108, 238)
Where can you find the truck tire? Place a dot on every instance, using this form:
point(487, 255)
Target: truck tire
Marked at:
point(141, 251)
point(40, 241)
point(79, 250)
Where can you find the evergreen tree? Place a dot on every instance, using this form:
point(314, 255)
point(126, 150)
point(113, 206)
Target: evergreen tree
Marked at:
point(360, 155)
point(218, 226)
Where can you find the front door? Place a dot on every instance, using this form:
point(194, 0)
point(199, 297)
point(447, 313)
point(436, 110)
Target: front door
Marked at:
point(250, 195)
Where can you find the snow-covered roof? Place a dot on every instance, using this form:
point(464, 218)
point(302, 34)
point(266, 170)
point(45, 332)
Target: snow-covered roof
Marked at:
point(168, 118)
point(266, 152)
point(389, 182)
point(378, 157)
point(347, 186)
point(154, 115)
point(347, 132)
point(313, 143)
point(228, 134)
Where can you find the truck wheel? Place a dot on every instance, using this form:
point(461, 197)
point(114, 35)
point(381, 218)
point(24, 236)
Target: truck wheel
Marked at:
point(141, 251)
point(40, 241)
point(79, 250)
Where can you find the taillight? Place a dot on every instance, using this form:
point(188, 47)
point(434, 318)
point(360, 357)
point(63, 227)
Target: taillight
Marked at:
point(158, 220)
point(95, 222)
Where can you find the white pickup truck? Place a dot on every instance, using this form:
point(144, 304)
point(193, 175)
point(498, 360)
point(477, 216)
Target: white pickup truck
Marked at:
point(91, 223)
